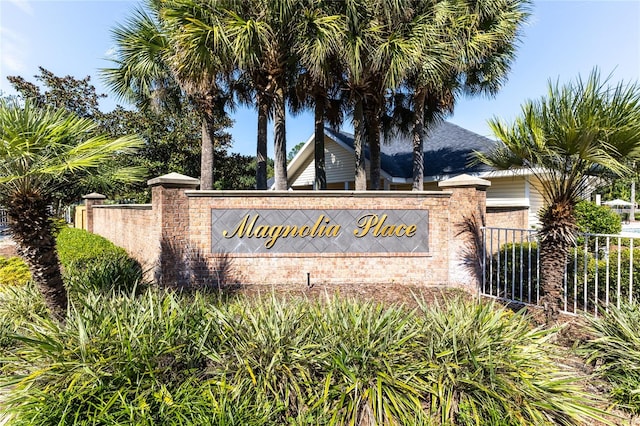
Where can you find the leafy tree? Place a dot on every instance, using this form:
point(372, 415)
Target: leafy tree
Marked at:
point(38, 146)
point(579, 131)
point(294, 151)
point(69, 93)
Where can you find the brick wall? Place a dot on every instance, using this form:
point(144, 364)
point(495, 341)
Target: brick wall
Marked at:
point(132, 227)
point(507, 217)
point(174, 235)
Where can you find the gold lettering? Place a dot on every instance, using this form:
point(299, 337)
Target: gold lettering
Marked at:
point(365, 223)
point(317, 229)
point(411, 230)
point(388, 230)
point(376, 230)
point(274, 233)
point(304, 231)
point(243, 229)
point(262, 231)
point(332, 231)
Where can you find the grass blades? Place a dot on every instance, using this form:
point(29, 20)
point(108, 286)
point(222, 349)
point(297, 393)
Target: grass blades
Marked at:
point(169, 359)
point(615, 350)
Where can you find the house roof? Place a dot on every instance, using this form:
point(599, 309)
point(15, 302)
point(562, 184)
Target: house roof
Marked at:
point(448, 150)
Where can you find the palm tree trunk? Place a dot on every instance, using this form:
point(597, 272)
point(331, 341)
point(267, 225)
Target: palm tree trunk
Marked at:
point(280, 140)
point(418, 141)
point(358, 146)
point(261, 155)
point(318, 144)
point(206, 155)
point(557, 233)
point(553, 258)
point(31, 229)
point(373, 138)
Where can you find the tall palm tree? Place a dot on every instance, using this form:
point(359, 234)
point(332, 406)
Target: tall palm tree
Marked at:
point(155, 63)
point(578, 131)
point(37, 147)
point(316, 45)
point(382, 41)
point(262, 36)
point(468, 49)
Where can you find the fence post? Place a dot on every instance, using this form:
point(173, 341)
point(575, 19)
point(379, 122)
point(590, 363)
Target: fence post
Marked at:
point(90, 200)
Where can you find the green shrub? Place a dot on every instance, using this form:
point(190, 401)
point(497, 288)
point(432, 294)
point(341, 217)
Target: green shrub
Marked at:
point(615, 350)
point(163, 359)
point(77, 245)
point(598, 269)
point(514, 264)
point(13, 271)
point(594, 219)
point(93, 263)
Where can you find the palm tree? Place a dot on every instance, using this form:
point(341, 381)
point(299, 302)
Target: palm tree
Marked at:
point(261, 36)
point(156, 62)
point(382, 41)
point(37, 147)
point(577, 132)
point(316, 45)
point(468, 49)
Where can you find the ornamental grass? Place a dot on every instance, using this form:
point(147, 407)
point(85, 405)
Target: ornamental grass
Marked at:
point(615, 350)
point(169, 359)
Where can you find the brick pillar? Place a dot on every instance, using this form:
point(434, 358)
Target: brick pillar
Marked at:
point(90, 200)
point(467, 211)
point(171, 207)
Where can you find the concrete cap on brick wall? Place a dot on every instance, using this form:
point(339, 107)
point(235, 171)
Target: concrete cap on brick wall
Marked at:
point(174, 180)
point(94, 196)
point(464, 180)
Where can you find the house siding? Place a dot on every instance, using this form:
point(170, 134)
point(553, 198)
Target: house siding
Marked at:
point(339, 168)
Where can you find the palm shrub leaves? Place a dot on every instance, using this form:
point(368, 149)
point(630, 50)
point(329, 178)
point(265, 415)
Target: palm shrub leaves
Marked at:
point(37, 148)
point(577, 132)
point(169, 359)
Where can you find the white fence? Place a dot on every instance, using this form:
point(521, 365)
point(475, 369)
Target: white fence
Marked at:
point(4, 220)
point(600, 271)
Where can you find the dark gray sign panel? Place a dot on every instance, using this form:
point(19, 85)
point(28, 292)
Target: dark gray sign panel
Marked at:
point(319, 231)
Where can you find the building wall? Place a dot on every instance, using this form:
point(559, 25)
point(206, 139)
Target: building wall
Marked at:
point(174, 236)
point(507, 217)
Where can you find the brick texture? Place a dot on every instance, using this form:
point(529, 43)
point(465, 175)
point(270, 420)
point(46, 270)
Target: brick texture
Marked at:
point(172, 237)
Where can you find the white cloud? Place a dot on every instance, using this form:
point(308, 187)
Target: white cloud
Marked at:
point(23, 5)
point(13, 52)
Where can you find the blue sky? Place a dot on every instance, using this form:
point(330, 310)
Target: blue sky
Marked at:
point(563, 39)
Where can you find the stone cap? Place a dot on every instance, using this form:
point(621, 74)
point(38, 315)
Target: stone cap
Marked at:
point(464, 180)
point(94, 196)
point(175, 180)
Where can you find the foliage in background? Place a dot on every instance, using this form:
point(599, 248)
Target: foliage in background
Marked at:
point(171, 140)
point(615, 350)
point(594, 219)
point(13, 271)
point(166, 359)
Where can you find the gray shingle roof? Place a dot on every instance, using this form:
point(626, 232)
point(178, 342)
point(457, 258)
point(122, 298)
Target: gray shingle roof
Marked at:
point(448, 149)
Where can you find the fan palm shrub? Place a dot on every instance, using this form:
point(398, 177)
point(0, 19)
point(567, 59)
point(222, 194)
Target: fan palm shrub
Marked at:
point(37, 148)
point(579, 131)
